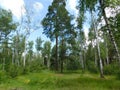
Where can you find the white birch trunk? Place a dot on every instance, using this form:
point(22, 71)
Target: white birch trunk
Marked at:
point(98, 47)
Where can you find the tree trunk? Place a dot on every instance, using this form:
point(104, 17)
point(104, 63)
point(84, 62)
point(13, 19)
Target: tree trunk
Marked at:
point(98, 47)
point(56, 61)
point(48, 62)
point(61, 65)
point(96, 63)
point(82, 60)
point(99, 55)
point(109, 28)
point(107, 57)
point(16, 50)
point(62, 56)
point(24, 58)
point(13, 56)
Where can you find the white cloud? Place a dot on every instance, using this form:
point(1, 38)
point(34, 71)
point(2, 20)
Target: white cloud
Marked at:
point(111, 12)
point(38, 6)
point(86, 31)
point(16, 7)
point(71, 6)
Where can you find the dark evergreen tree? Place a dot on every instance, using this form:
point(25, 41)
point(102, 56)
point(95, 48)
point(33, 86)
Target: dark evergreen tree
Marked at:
point(57, 25)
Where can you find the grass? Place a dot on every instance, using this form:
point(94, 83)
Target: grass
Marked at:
point(47, 80)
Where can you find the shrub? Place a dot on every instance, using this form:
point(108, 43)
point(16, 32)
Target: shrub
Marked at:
point(35, 66)
point(2, 76)
point(72, 65)
point(14, 70)
point(111, 69)
point(92, 68)
point(118, 74)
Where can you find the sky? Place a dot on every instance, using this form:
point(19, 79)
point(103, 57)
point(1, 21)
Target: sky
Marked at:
point(39, 7)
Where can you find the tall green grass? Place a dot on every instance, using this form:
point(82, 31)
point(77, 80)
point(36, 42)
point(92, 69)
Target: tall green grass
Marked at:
point(47, 80)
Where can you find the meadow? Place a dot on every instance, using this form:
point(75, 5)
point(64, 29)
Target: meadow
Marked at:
point(48, 80)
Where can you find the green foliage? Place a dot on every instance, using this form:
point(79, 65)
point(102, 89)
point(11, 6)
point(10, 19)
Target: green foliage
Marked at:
point(14, 70)
point(35, 66)
point(73, 65)
point(18, 43)
point(3, 76)
point(30, 49)
point(52, 59)
point(6, 23)
point(111, 69)
point(46, 49)
point(39, 44)
point(118, 74)
point(57, 26)
point(91, 67)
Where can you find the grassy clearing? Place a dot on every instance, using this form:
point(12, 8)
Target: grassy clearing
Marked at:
point(47, 80)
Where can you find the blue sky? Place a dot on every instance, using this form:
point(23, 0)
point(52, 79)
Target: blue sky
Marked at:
point(40, 8)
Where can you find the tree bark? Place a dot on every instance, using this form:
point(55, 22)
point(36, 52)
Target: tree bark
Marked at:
point(56, 61)
point(62, 55)
point(99, 55)
point(82, 60)
point(106, 46)
point(100, 61)
point(48, 62)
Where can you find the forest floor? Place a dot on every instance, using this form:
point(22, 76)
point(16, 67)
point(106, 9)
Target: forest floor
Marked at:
point(46, 80)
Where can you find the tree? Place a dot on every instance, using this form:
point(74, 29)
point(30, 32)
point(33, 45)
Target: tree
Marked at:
point(57, 24)
point(89, 6)
point(6, 24)
point(86, 5)
point(103, 5)
point(18, 47)
point(27, 25)
point(30, 50)
point(62, 53)
point(46, 52)
point(52, 59)
point(38, 45)
point(82, 40)
point(50, 25)
point(6, 27)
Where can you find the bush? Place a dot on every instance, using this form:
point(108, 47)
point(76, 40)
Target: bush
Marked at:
point(2, 76)
point(25, 70)
point(72, 65)
point(92, 68)
point(118, 74)
point(111, 69)
point(14, 70)
point(35, 66)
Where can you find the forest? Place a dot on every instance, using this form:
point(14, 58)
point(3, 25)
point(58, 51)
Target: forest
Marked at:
point(70, 59)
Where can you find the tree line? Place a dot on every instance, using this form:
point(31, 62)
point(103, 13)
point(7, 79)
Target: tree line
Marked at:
point(97, 53)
